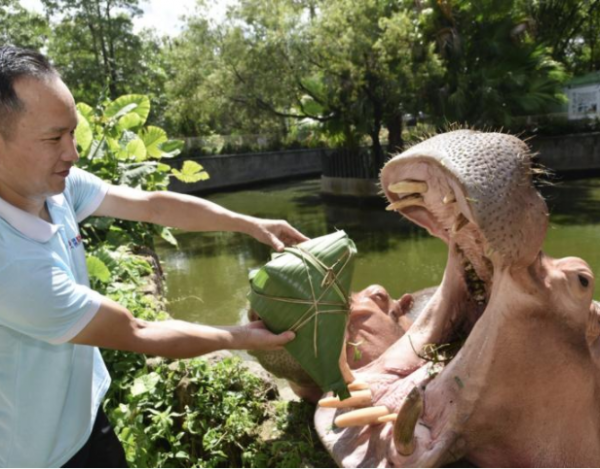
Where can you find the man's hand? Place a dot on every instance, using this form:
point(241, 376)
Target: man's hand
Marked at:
point(114, 327)
point(255, 336)
point(275, 233)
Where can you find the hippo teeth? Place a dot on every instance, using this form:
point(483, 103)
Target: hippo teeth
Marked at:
point(406, 202)
point(406, 422)
point(361, 417)
point(449, 198)
point(357, 399)
point(357, 386)
point(408, 187)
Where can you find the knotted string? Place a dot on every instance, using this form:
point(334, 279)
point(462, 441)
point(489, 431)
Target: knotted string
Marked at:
point(330, 280)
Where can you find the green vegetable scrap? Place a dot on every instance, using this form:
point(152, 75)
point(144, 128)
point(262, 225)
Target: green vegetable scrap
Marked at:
point(305, 289)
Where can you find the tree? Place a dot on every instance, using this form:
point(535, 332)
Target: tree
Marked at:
point(496, 68)
point(570, 29)
point(354, 67)
point(98, 54)
point(21, 27)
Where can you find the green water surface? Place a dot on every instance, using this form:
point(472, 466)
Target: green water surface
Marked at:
point(207, 277)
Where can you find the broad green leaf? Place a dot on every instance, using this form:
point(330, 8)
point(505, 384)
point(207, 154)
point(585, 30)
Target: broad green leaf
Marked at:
point(136, 103)
point(191, 172)
point(85, 110)
point(129, 121)
point(167, 235)
point(97, 269)
point(137, 149)
point(153, 138)
point(83, 134)
point(172, 148)
point(113, 144)
point(133, 175)
point(144, 384)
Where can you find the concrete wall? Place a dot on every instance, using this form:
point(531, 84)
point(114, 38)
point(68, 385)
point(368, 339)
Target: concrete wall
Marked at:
point(228, 171)
point(566, 153)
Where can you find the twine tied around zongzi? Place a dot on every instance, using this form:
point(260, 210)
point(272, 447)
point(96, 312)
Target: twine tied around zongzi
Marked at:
point(330, 280)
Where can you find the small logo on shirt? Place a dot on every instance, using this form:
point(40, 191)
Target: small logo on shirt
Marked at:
point(74, 242)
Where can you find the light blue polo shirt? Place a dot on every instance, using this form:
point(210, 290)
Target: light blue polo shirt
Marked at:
point(50, 389)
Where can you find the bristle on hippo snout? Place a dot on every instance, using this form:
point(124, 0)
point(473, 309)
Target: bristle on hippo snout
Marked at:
point(474, 185)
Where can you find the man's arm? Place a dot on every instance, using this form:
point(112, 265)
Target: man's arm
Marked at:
point(114, 327)
point(193, 214)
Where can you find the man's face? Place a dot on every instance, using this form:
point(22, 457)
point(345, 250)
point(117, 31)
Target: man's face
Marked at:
point(36, 157)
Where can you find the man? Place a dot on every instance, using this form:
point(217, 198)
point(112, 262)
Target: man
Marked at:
point(52, 378)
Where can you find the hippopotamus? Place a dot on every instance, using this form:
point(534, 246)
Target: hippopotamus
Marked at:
point(500, 368)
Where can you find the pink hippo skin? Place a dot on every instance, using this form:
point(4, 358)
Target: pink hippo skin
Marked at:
point(524, 388)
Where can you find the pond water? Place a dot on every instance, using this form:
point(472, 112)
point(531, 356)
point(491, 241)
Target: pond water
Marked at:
point(207, 276)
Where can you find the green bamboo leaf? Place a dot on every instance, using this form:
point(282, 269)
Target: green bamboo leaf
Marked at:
point(284, 292)
point(97, 269)
point(191, 172)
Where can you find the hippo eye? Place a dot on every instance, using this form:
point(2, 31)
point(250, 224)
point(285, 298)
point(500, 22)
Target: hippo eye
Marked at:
point(584, 281)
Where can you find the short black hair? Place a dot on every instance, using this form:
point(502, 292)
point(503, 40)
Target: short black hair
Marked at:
point(16, 63)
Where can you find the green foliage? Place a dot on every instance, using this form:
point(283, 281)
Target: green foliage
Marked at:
point(94, 46)
point(191, 172)
point(196, 414)
point(193, 413)
point(115, 145)
point(345, 68)
point(20, 27)
point(496, 68)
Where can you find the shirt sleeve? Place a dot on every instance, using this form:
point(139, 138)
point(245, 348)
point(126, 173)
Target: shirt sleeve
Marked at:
point(41, 300)
point(86, 191)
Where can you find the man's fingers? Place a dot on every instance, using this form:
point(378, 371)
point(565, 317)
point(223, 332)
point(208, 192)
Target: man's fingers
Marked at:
point(296, 235)
point(276, 243)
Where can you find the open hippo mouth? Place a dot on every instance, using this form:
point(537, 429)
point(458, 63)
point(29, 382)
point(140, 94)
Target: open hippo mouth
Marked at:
point(412, 405)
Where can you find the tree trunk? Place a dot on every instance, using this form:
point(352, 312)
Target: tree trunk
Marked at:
point(377, 157)
point(394, 125)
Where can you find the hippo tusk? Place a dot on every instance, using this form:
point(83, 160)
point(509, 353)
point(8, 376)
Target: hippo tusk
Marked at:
point(406, 202)
point(408, 187)
point(356, 399)
point(449, 198)
point(358, 386)
point(358, 418)
point(460, 223)
point(388, 418)
point(408, 416)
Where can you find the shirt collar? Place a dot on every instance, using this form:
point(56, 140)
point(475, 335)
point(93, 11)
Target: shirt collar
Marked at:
point(31, 226)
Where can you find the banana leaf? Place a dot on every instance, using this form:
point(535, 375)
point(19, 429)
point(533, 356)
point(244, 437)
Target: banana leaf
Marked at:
point(306, 289)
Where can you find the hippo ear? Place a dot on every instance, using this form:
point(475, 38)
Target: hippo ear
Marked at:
point(592, 332)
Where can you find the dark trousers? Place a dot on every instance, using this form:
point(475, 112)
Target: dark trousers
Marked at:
point(103, 448)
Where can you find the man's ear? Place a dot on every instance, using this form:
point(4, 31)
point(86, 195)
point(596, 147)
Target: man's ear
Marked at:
point(592, 332)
